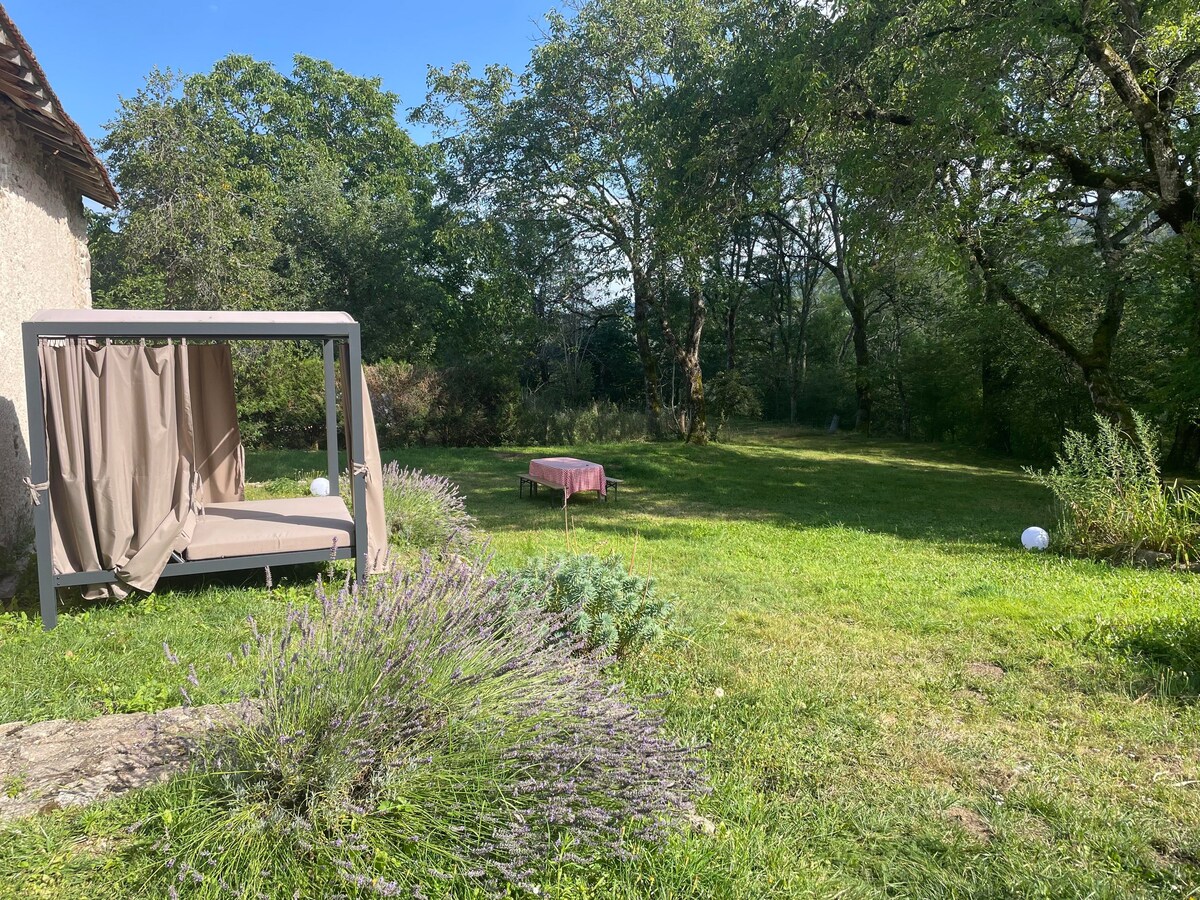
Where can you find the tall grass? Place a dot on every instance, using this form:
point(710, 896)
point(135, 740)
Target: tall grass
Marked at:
point(1112, 500)
point(413, 736)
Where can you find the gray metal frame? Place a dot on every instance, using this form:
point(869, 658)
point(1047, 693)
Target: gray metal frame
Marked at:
point(338, 333)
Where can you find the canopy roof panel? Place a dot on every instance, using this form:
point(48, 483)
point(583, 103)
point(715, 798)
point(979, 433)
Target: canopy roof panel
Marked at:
point(189, 323)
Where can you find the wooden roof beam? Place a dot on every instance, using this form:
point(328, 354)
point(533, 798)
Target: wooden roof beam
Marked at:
point(30, 93)
point(23, 86)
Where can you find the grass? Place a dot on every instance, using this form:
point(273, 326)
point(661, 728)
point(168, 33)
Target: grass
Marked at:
point(909, 705)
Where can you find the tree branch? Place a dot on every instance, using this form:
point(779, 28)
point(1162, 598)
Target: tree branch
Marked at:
point(1032, 317)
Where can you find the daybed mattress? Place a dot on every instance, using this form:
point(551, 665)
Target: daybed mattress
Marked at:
point(251, 527)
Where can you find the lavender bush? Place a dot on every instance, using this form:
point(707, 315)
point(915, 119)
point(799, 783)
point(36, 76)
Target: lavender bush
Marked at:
point(412, 738)
point(424, 512)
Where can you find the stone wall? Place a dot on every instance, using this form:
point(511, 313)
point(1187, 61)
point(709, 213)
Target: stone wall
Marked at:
point(44, 264)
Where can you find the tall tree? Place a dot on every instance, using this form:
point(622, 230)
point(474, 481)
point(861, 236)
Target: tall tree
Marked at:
point(245, 188)
point(1066, 101)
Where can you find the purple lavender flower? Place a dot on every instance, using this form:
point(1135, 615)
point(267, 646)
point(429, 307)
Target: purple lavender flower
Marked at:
point(425, 512)
point(420, 728)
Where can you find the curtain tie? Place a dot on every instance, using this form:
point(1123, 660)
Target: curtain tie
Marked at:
point(35, 490)
point(361, 469)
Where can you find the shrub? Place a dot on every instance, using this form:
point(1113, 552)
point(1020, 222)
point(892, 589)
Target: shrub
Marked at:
point(729, 394)
point(607, 606)
point(412, 734)
point(405, 400)
point(478, 401)
point(424, 512)
point(1112, 501)
point(601, 422)
point(281, 394)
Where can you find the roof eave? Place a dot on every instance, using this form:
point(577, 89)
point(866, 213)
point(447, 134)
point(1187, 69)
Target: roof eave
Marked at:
point(26, 90)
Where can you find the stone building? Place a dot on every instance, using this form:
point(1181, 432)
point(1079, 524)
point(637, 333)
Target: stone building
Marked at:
point(47, 167)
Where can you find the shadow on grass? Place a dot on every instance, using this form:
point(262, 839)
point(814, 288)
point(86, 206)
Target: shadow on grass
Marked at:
point(301, 576)
point(1162, 653)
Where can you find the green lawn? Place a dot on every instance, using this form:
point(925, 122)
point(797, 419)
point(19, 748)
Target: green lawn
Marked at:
point(896, 700)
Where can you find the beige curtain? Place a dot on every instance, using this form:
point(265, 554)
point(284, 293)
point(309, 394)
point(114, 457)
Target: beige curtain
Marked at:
point(377, 534)
point(123, 485)
point(220, 460)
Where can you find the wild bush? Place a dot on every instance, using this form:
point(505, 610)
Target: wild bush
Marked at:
point(598, 599)
point(478, 401)
point(601, 422)
point(1112, 501)
point(413, 735)
point(281, 394)
point(405, 400)
point(730, 394)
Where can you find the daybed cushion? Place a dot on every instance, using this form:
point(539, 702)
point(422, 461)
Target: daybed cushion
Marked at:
point(251, 527)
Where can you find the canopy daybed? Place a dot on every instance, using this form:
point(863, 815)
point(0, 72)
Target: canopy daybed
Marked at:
point(136, 459)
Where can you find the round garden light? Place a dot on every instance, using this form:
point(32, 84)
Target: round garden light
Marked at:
point(1034, 538)
point(319, 487)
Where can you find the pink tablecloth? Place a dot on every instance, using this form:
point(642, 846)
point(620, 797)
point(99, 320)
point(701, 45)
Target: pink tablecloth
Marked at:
point(570, 474)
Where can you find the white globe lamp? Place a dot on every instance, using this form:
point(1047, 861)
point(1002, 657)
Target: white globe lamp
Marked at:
point(319, 487)
point(1034, 538)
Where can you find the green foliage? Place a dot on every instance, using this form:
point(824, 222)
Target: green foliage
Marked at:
point(937, 219)
point(404, 399)
point(248, 188)
point(729, 394)
point(479, 401)
point(599, 422)
point(1112, 499)
point(280, 390)
point(605, 604)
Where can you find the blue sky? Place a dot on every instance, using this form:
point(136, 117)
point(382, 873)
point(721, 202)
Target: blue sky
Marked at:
point(92, 52)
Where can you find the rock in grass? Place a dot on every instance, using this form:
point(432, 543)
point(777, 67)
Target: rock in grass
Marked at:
point(59, 763)
point(702, 824)
point(1152, 559)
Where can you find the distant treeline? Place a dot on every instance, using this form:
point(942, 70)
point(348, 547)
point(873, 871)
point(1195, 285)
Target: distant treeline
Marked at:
point(972, 222)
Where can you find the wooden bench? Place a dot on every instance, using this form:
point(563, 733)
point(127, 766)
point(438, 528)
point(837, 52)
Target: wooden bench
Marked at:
point(610, 485)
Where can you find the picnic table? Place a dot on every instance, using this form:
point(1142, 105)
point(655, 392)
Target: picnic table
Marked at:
point(568, 474)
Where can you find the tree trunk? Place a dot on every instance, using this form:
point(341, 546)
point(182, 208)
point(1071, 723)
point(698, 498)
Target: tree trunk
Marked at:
point(1095, 365)
point(697, 425)
point(839, 267)
point(997, 429)
point(689, 362)
point(731, 336)
point(1106, 399)
point(642, 301)
point(862, 367)
point(793, 390)
point(687, 356)
point(1184, 455)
